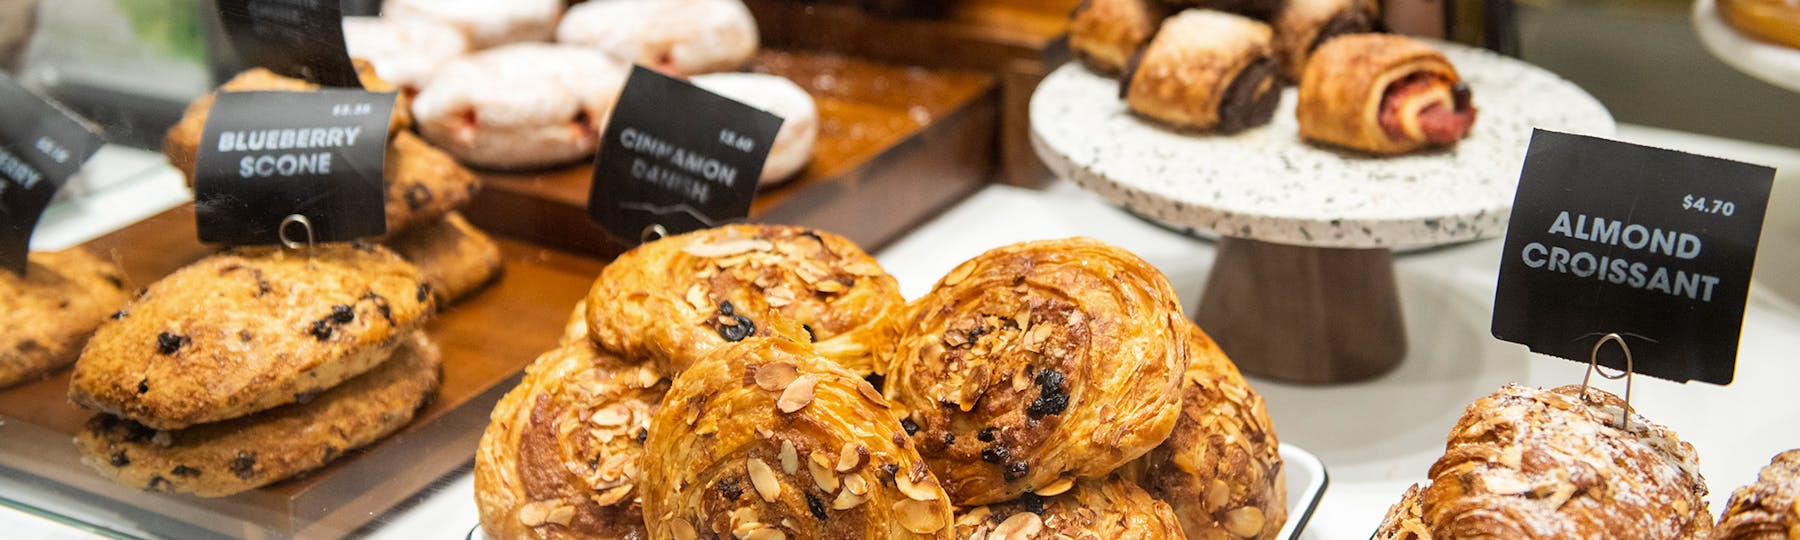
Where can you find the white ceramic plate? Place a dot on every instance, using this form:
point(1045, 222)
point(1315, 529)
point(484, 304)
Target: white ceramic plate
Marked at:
point(1772, 63)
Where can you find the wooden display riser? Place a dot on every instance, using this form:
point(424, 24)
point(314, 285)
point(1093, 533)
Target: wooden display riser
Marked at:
point(486, 340)
point(896, 146)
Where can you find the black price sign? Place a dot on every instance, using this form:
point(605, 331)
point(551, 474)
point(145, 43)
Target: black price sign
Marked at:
point(268, 155)
point(41, 147)
point(296, 38)
point(1655, 245)
point(677, 156)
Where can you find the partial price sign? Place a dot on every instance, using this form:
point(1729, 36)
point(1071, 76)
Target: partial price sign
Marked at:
point(298, 38)
point(1655, 245)
point(42, 145)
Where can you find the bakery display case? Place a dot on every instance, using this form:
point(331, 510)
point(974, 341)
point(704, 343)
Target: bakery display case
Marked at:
point(1001, 269)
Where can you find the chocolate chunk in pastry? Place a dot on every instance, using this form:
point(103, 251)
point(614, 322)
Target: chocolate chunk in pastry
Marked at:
point(1304, 25)
point(1541, 464)
point(1105, 33)
point(1038, 362)
point(674, 300)
point(1221, 468)
point(47, 313)
point(562, 455)
point(767, 439)
point(456, 258)
point(1382, 94)
point(1205, 70)
point(1767, 509)
point(1101, 508)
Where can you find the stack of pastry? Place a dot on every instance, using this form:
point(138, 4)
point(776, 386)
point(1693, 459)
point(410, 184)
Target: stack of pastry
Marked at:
point(47, 313)
point(254, 365)
point(1768, 508)
point(717, 384)
point(424, 188)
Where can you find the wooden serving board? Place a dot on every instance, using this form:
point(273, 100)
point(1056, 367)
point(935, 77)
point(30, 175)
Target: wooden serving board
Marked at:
point(896, 146)
point(486, 340)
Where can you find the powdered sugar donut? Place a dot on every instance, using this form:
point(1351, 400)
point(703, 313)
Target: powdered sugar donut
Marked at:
point(781, 97)
point(678, 37)
point(405, 52)
point(520, 106)
point(487, 23)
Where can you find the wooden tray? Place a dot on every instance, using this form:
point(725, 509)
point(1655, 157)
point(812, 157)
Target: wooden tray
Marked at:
point(896, 146)
point(486, 341)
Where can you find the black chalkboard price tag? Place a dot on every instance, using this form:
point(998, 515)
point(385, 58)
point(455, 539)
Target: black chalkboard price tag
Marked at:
point(297, 38)
point(1655, 245)
point(42, 145)
point(267, 155)
point(678, 157)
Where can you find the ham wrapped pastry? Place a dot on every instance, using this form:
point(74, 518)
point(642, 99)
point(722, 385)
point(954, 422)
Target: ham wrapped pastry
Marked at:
point(1382, 94)
point(1303, 25)
point(1205, 70)
point(1767, 509)
point(1105, 33)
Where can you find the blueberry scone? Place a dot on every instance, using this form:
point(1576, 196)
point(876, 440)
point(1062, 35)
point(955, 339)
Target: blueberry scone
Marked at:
point(456, 258)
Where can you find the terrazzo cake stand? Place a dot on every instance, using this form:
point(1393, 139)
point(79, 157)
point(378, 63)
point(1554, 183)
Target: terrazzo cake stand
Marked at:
point(1302, 289)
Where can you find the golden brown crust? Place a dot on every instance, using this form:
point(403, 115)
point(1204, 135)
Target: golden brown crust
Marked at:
point(48, 313)
point(666, 301)
point(215, 460)
point(1538, 464)
point(1221, 468)
point(1768, 509)
point(1298, 25)
point(1110, 508)
point(1403, 520)
point(1774, 21)
point(1185, 70)
point(1040, 361)
point(560, 458)
point(456, 258)
point(1342, 87)
point(247, 330)
point(766, 434)
point(1105, 33)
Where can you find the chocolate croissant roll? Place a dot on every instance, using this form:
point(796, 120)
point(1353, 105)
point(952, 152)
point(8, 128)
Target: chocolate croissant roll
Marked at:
point(676, 299)
point(1105, 508)
point(1382, 94)
point(1767, 509)
point(1539, 464)
point(1221, 468)
point(1105, 33)
point(1302, 25)
point(767, 439)
point(1039, 362)
point(561, 455)
point(1205, 70)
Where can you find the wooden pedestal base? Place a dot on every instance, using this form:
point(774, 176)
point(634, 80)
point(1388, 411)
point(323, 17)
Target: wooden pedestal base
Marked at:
point(1304, 314)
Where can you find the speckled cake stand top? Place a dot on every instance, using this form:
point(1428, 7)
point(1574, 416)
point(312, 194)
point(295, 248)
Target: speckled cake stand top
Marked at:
point(1267, 184)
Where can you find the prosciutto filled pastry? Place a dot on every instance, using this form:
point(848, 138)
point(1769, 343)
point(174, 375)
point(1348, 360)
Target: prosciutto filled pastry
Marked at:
point(1303, 25)
point(1382, 94)
point(1105, 33)
point(1769, 508)
point(1206, 70)
point(1104, 508)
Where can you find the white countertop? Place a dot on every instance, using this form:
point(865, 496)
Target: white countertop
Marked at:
point(1375, 437)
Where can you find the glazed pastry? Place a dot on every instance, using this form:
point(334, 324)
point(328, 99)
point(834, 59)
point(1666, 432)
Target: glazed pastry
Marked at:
point(1303, 25)
point(674, 300)
point(483, 22)
point(1112, 508)
point(1205, 70)
point(1105, 33)
point(215, 460)
point(1039, 362)
point(676, 37)
point(766, 439)
point(1382, 94)
point(1221, 467)
point(779, 96)
point(406, 52)
point(456, 258)
point(1767, 509)
point(560, 458)
point(247, 330)
point(522, 106)
point(1540, 464)
point(1773, 21)
point(46, 314)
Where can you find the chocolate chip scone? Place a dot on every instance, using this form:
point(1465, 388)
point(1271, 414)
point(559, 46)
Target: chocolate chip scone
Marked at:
point(250, 329)
point(46, 314)
point(219, 459)
point(456, 258)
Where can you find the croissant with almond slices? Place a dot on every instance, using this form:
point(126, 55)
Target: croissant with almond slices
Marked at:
point(1113, 508)
point(1767, 509)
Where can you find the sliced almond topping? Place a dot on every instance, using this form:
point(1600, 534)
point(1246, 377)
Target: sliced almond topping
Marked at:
point(1018, 527)
point(726, 248)
point(561, 515)
point(616, 415)
point(697, 297)
point(846, 500)
point(1217, 494)
point(852, 457)
point(918, 491)
point(1056, 488)
point(830, 286)
point(821, 459)
point(822, 474)
point(1246, 522)
point(973, 517)
point(868, 392)
point(770, 533)
point(798, 394)
point(763, 478)
point(920, 517)
point(534, 514)
point(682, 530)
point(855, 483)
point(776, 376)
point(790, 523)
point(790, 459)
point(958, 274)
point(613, 496)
